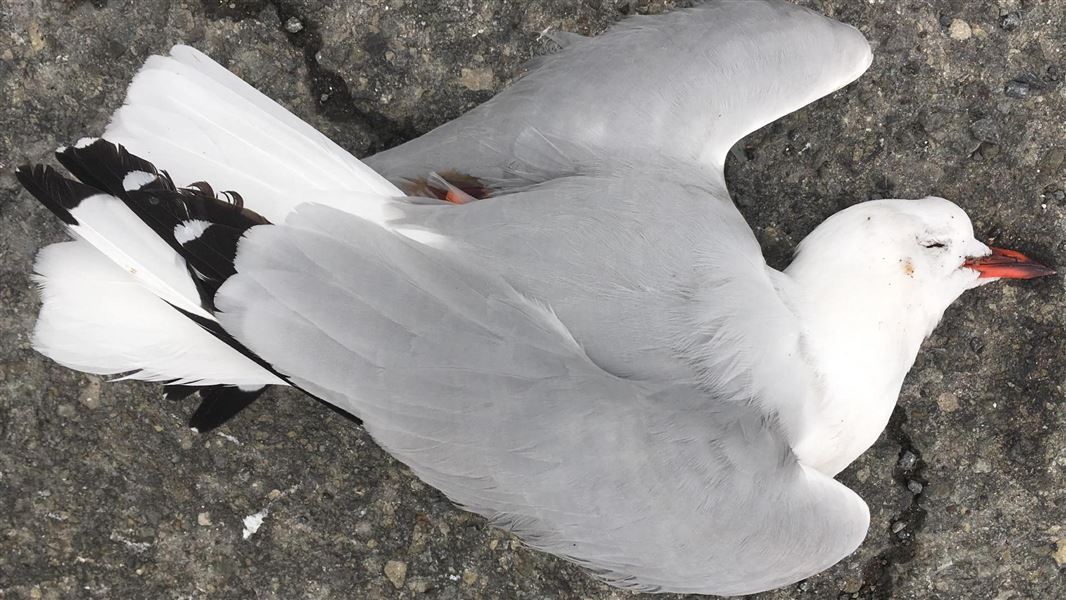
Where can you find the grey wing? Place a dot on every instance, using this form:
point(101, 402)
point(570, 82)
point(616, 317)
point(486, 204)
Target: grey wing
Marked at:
point(486, 396)
point(684, 86)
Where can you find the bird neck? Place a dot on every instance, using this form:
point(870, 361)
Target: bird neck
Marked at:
point(861, 337)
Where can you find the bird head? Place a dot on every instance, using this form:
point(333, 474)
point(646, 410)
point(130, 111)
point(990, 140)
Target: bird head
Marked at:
point(896, 257)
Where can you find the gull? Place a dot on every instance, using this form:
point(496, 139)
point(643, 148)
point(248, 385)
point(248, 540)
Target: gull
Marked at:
point(548, 308)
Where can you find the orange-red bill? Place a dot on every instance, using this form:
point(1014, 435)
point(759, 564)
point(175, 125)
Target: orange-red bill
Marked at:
point(1007, 264)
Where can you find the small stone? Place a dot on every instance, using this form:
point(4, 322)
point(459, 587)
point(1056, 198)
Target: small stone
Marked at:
point(419, 585)
point(863, 474)
point(90, 394)
point(91, 402)
point(937, 124)
point(274, 494)
point(907, 460)
point(915, 487)
point(204, 519)
point(985, 130)
point(65, 410)
point(479, 79)
point(469, 576)
point(293, 25)
point(363, 529)
point(396, 571)
point(36, 37)
point(853, 584)
point(1010, 21)
point(988, 150)
point(898, 526)
point(960, 30)
point(493, 544)
point(1052, 161)
point(977, 345)
point(982, 466)
point(1060, 552)
point(1018, 89)
point(948, 402)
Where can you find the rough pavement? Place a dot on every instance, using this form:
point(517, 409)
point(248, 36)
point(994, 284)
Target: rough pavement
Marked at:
point(104, 493)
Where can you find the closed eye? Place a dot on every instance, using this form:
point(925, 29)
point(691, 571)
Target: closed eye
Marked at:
point(933, 244)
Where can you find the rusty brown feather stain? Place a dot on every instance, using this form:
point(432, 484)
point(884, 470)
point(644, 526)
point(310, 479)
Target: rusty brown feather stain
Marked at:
point(908, 267)
point(466, 184)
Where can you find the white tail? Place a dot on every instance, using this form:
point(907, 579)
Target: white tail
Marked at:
point(100, 319)
point(111, 299)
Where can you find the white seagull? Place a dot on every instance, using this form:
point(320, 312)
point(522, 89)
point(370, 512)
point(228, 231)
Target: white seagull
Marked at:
point(562, 321)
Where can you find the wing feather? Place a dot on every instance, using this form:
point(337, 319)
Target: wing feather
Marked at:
point(684, 87)
point(484, 396)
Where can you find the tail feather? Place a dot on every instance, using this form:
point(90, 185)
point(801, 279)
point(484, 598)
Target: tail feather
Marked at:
point(203, 122)
point(133, 295)
point(105, 222)
point(98, 318)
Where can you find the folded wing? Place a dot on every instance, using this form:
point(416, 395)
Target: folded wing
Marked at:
point(486, 396)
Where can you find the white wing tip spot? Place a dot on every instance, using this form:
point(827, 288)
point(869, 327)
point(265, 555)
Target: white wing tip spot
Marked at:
point(190, 230)
point(135, 180)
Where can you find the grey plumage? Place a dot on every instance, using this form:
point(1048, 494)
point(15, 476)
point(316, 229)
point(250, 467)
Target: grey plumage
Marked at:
point(536, 362)
point(486, 396)
point(653, 91)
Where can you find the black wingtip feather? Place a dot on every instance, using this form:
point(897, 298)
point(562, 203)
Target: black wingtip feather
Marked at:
point(219, 404)
point(163, 207)
point(213, 251)
point(105, 165)
point(57, 193)
point(175, 391)
point(102, 168)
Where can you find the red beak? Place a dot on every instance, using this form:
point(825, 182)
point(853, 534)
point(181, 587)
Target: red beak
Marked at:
point(1007, 264)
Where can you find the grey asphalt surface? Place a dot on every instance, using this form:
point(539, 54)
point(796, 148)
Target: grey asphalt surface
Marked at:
point(104, 493)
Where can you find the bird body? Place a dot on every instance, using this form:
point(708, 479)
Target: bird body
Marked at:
point(578, 338)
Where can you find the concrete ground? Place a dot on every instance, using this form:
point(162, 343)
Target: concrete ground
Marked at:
point(104, 493)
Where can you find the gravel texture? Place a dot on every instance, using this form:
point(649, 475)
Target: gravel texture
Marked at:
point(104, 493)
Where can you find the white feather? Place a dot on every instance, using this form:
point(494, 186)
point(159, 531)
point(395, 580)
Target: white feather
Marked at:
point(198, 121)
point(190, 116)
point(108, 225)
point(98, 318)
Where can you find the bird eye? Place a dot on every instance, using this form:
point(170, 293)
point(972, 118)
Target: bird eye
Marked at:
point(933, 244)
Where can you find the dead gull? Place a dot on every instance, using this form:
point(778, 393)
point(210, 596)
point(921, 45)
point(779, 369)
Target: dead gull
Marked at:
point(565, 325)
